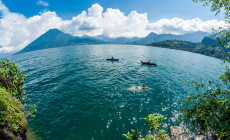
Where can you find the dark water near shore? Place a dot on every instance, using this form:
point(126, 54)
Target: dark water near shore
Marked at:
point(80, 95)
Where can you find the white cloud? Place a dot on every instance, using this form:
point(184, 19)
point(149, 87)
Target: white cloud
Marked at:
point(17, 31)
point(3, 9)
point(181, 26)
point(43, 3)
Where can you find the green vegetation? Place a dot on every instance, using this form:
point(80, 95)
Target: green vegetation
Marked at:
point(134, 135)
point(12, 112)
point(11, 78)
point(207, 47)
point(208, 112)
point(154, 122)
point(217, 6)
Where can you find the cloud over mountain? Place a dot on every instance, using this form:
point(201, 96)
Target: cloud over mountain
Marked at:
point(17, 31)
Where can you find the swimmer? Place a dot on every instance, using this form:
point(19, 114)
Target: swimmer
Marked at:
point(144, 87)
point(138, 88)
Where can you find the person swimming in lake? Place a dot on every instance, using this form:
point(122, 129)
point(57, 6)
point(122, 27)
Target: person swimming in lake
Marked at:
point(144, 87)
point(138, 88)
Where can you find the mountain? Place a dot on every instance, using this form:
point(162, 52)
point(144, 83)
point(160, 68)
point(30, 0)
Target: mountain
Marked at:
point(208, 46)
point(210, 50)
point(119, 40)
point(153, 37)
point(104, 38)
point(124, 40)
point(211, 40)
point(55, 38)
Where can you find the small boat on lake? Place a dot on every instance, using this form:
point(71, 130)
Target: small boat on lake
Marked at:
point(149, 63)
point(112, 59)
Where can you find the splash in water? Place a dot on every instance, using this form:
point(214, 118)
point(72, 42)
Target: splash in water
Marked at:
point(136, 88)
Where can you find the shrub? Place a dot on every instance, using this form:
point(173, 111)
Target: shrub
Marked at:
point(208, 112)
point(11, 78)
point(154, 122)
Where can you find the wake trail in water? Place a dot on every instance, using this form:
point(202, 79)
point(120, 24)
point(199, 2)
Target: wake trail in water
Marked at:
point(135, 88)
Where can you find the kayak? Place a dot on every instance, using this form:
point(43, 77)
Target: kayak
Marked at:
point(148, 63)
point(113, 59)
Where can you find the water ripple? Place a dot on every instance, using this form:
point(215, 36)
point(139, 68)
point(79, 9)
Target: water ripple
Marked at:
point(80, 95)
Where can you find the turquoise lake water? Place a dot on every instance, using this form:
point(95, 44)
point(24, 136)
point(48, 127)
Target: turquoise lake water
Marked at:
point(80, 95)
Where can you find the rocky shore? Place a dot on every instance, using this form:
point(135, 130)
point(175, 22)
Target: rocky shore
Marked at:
point(178, 133)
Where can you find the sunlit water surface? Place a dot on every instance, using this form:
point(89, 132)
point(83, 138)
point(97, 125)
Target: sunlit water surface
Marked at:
point(80, 95)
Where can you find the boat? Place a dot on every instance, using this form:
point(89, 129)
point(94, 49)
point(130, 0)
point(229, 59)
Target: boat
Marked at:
point(148, 63)
point(110, 59)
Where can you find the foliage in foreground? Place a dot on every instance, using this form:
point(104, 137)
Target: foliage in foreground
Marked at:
point(208, 112)
point(217, 6)
point(154, 122)
point(11, 78)
point(12, 113)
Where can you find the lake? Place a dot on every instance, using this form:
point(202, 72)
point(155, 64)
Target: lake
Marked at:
point(80, 95)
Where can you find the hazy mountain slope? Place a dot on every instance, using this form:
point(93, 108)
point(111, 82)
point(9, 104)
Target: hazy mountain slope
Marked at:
point(211, 40)
point(153, 37)
point(208, 46)
point(55, 38)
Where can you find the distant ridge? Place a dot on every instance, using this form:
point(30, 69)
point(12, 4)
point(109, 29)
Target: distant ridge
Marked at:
point(55, 38)
point(211, 40)
point(195, 37)
point(208, 46)
point(118, 40)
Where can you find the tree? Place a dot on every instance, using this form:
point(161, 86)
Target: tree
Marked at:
point(154, 122)
point(217, 6)
point(12, 96)
point(208, 111)
point(12, 78)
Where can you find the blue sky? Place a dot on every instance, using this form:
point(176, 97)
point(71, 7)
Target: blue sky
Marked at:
point(156, 9)
point(22, 21)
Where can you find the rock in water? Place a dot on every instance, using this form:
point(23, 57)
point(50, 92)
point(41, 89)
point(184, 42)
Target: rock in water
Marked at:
point(176, 133)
